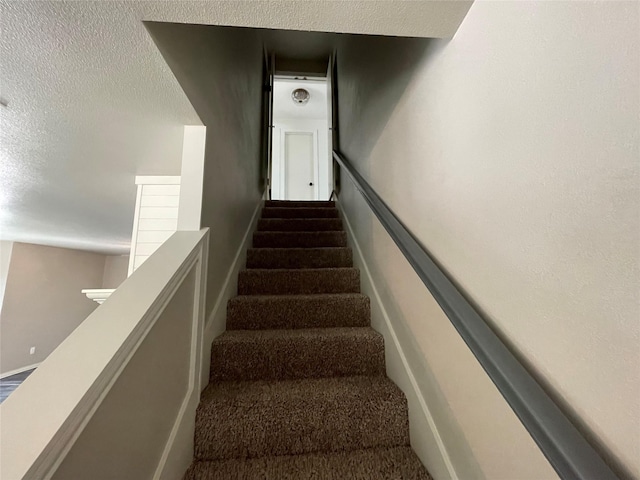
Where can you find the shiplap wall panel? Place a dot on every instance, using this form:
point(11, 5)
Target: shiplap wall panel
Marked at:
point(153, 236)
point(159, 212)
point(156, 216)
point(160, 200)
point(158, 224)
point(161, 190)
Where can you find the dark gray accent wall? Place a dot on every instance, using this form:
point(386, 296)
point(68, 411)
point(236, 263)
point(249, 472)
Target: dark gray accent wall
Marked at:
point(220, 70)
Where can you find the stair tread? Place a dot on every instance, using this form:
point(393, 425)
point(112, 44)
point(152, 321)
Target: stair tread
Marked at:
point(248, 419)
point(298, 353)
point(311, 296)
point(388, 463)
point(287, 335)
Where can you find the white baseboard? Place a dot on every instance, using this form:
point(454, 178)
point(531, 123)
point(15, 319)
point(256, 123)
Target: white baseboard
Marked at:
point(19, 370)
point(425, 437)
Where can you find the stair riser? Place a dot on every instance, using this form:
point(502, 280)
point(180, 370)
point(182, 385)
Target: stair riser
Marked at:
point(299, 258)
point(298, 204)
point(300, 213)
point(296, 282)
point(312, 356)
point(299, 225)
point(299, 239)
point(259, 312)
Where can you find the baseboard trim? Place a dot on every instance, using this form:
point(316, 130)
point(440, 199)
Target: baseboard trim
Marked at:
point(391, 339)
point(19, 370)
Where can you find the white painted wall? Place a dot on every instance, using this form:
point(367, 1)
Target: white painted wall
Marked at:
point(191, 177)
point(511, 152)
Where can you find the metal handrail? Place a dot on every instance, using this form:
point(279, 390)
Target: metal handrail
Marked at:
point(562, 444)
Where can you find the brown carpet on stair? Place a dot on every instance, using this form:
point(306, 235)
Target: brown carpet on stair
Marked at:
point(298, 281)
point(300, 212)
point(395, 463)
point(299, 224)
point(299, 257)
point(298, 387)
point(259, 312)
point(299, 239)
point(287, 354)
point(290, 417)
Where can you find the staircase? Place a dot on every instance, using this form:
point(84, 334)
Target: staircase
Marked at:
point(298, 387)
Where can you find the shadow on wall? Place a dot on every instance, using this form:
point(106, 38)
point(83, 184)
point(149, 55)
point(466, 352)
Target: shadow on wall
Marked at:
point(376, 68)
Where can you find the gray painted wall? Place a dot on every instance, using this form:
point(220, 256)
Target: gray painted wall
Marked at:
point(220, 70)
point(116, 268)
point(511, 152)
point(43, 303)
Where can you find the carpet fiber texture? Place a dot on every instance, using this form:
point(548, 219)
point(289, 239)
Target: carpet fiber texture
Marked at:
point(298, 387)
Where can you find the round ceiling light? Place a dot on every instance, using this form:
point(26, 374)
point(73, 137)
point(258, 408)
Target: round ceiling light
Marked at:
point(300, 96)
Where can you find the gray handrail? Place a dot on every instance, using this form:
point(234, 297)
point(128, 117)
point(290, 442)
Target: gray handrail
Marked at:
point(564, 446)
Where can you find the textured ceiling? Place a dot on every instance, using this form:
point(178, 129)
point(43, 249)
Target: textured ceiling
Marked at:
point(91, 102)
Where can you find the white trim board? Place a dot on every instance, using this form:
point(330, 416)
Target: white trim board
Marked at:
point(19, 370)
point(425, 437)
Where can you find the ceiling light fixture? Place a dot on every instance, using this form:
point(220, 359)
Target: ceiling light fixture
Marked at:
point(300, 96)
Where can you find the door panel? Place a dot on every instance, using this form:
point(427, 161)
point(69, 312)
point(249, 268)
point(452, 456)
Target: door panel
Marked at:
point(299, 165)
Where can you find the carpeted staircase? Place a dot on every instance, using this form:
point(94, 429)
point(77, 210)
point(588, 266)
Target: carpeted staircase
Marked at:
point(298, 387)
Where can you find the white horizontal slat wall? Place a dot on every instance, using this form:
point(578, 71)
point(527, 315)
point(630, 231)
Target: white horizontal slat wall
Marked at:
point(156, 216)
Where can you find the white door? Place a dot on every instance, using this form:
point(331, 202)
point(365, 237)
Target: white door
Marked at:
point(299, 166)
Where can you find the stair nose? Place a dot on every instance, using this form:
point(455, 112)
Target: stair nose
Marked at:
point(298, 281)
point(299, 239)
point(257, 312)
point(302, 353)
point(299, 224)
point(299, 257)
point(299, 212)
point(257, 419)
